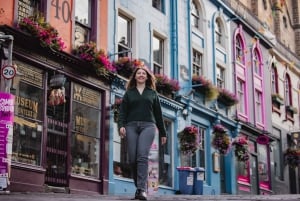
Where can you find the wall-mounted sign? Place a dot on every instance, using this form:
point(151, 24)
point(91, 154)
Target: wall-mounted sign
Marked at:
point(8, 71)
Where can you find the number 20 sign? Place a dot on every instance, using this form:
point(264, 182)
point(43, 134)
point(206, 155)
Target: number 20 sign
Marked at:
point(8, 71)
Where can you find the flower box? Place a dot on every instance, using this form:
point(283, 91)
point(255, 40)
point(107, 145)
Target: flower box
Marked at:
point(205, 86)
point(291, 109)
point(276, 98)
point(166, 86)
point(226, 97)
point(47, 35)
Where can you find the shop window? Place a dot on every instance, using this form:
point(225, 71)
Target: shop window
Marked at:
point(263, 167)
point(198, 159)
point(165, 158)
point(85, 145)
point(28, 120)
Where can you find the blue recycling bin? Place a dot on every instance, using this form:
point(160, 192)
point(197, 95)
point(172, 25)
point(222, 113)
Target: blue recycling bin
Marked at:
point(199, 174)
point(186, 180)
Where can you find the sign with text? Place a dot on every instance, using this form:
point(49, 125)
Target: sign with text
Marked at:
point(6, 136)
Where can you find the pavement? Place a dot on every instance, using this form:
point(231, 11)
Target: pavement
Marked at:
point(77, 197)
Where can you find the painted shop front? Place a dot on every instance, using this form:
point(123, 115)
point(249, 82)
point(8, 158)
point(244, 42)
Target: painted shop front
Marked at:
point(164, 163)
point(254, 175)
point(60, 121)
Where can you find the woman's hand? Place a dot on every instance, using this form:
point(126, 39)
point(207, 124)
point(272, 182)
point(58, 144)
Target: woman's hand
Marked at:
point(163, 140)
point(122, 132)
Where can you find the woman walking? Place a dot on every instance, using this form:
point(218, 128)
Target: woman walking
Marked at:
point(140, 119)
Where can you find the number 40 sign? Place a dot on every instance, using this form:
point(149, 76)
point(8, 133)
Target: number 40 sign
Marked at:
point(8, 71)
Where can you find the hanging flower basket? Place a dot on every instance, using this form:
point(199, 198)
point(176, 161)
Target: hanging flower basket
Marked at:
point(221, 140)
point(189, 140)
point(241, 149)
point(125, 66)
point(291, 157)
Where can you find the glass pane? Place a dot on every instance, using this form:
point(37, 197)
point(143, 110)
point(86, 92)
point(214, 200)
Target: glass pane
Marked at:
point(85, 155)
point(85, 120)
point(86, 112)
point(165, 158)
point(27, 8)
point(263, 167)
point(157, 51)
point(27, 141)
point(123, 31)
point(82, 12)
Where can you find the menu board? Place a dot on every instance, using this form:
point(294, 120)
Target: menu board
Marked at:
point(6, 136)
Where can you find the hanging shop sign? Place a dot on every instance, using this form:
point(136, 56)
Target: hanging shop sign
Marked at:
point(6, 137)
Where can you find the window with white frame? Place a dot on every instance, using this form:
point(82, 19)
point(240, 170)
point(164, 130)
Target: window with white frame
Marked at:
point(256, 63)
point(83, 24)
point(239, 55)
point(165, 157)
point(195, 15)
point(124, 36)
point(158, 55)
point(220, 77)
point(241, 96)
point(158, 4)
point(258, 106)
point(274, 79)
point(197, 63)
point(218, 31)
point(287, 90)
point(198, 159)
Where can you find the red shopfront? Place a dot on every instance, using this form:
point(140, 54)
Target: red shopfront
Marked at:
point(60, 123)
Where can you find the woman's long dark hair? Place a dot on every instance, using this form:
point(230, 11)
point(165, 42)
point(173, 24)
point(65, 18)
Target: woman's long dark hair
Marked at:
point(150, 82)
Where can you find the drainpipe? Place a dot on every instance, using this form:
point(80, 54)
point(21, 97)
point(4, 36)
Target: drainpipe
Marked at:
point(7, 59)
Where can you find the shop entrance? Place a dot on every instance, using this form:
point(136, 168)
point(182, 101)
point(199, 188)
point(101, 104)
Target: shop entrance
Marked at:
point(56, 173)
point(57, 134)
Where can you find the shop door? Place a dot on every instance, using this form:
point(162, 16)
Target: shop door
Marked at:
point(253, 174)
point(56, 172)
point(57, 132)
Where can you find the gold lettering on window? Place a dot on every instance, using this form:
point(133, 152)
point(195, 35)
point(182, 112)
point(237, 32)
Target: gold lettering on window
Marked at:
point(86, 95)
point(26, 107)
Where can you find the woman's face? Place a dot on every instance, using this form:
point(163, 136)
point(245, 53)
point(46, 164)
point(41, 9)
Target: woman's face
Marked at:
point(141, 76)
